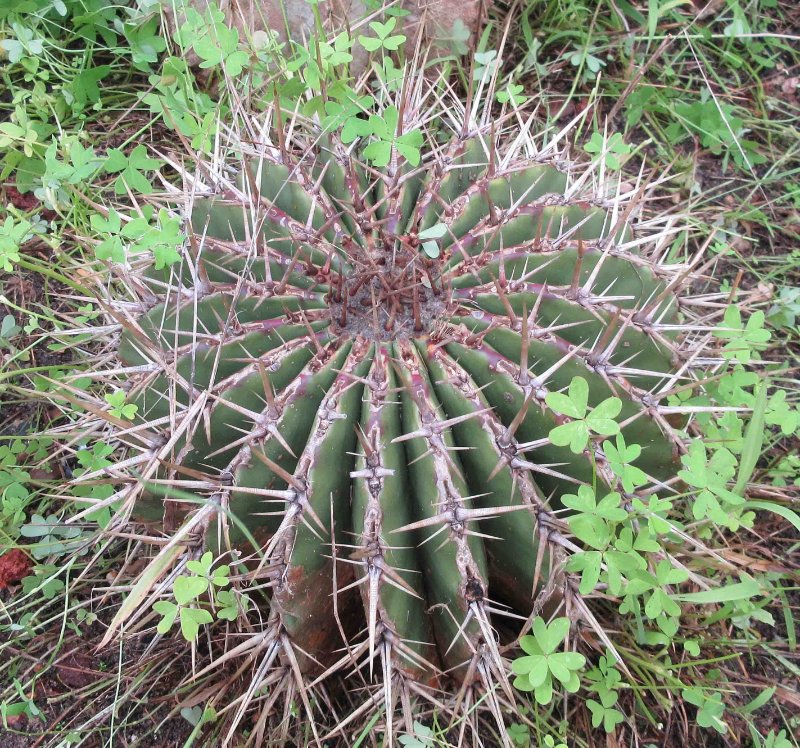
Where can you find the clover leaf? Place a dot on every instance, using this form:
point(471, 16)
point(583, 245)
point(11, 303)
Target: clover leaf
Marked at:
point(119, 408)
point(55, 537)
point(651, 586)
point(191, 620)
point(577, 431)
point(13, 234)
point(512, 94)
point(186, 590)
point(620, 458)
point(384, 129)
point(169, 612)
point(537, 671)
point(131, 169)
point(589, 564)
point(744, 340)
point(202, 568)
point(519, 734)
point(709, 708)
point(227, 605)
point(384, 39)
point(710, 477)
point(423, 737)
point(603, 712)
point(782, 414)
point(608, 149)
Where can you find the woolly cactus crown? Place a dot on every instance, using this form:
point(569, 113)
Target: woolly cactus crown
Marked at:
point(380, 365)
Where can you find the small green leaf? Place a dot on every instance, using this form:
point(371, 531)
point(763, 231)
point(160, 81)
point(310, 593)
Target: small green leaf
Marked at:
point(431, 249)
point(191, 620)
point(228, 605)
point(169, 611)
point(692, 647)
point(534, 667)
point(574, 433)
point(437, 231)
point(187, 589)
point(119, 408)
point(574, 404)
point(544, 693)
point(379, 153)
point(202, 566)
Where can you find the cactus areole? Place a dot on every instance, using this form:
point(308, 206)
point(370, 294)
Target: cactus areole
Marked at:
point(351, 365)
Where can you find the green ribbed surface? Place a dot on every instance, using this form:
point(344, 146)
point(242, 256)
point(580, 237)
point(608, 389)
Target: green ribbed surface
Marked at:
point(392, 449)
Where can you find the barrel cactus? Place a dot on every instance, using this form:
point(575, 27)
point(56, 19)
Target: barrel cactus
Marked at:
point(379, 370)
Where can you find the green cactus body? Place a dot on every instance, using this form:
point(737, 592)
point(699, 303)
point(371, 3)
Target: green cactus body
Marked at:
point(375, 414)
